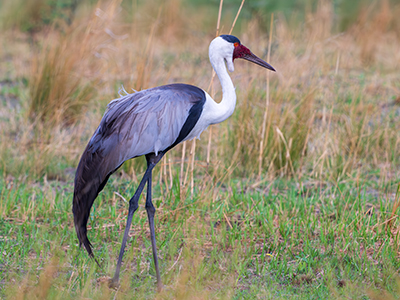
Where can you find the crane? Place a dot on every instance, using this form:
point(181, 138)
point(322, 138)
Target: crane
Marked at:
point(151, 122)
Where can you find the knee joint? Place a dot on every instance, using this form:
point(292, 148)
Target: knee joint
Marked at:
point(150, 208)
point(133, 205)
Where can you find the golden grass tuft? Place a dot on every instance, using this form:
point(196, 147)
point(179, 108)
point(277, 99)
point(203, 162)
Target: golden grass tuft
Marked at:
point(370, 28)
point(61, 84)
point(58, 95)
point(36, 288)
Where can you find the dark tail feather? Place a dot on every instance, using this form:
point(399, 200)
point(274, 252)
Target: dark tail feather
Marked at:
point(89, 181)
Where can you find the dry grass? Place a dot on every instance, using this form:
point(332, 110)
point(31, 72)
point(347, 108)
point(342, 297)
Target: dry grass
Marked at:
point(58, 89)
point(332, 118)
point(328, 115)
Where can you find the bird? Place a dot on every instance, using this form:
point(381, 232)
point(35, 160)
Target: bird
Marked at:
point(150, 123)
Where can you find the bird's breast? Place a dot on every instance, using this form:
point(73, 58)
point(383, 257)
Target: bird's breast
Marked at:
point(205, 119)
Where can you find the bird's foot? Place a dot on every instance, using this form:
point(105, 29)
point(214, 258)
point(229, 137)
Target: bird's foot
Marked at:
point(160, 287)
point(113, 283)
point(103, 280)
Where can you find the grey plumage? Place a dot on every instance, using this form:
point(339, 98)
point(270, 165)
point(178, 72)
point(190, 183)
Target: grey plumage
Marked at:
point(145, 122)
point(150, 123)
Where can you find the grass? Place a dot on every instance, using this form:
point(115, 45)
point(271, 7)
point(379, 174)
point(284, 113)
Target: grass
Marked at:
point(271, 242)
point(315, 218)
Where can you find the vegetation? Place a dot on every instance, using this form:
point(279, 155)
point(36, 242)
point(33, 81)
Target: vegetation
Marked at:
point(296, 195)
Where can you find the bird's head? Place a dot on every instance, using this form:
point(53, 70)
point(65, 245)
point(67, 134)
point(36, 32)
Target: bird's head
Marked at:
point(230, 48)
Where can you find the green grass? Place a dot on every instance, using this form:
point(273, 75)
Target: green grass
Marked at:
point(307, 242)
point(315, 216)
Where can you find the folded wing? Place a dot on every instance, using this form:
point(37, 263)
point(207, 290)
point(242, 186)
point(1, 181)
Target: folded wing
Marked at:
point(145, 122)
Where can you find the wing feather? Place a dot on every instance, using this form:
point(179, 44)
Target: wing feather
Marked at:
point(149, 121)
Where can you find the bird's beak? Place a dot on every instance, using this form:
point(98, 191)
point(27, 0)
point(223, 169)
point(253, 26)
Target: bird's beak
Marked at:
point(253, 58)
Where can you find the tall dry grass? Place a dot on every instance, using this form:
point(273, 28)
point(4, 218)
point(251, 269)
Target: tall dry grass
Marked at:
point(58, 89)
point(330, 113)
point(333, 109)
point(68, 66)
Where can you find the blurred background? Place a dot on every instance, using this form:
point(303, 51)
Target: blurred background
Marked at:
point(331, 111)
point(296, 194)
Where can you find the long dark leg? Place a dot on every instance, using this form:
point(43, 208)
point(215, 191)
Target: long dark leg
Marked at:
point(150, 213)
point(133, 206)
point(152, 160)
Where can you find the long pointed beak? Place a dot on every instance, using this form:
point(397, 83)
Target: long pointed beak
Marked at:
point(253, 58)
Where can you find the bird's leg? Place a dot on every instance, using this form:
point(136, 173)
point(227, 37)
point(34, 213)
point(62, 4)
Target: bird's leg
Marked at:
point(150, 213)
point(152, 160)
point(133, 205)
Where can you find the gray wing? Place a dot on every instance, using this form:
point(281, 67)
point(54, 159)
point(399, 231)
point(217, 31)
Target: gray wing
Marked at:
point(145, 122)
point(148, 121)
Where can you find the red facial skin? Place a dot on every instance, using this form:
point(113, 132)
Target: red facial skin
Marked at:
point(241, 51)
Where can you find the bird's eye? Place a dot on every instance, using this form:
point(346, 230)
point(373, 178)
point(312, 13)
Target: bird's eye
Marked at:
point(236, 44)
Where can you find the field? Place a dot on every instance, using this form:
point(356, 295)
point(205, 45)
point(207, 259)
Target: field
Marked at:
point(296, 196)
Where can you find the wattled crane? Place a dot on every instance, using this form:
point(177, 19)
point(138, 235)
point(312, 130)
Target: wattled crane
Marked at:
point(150, 123)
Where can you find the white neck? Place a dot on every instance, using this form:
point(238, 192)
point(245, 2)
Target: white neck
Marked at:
point(225, 108)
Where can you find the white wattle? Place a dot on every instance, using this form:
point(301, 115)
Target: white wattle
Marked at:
point(213, 112)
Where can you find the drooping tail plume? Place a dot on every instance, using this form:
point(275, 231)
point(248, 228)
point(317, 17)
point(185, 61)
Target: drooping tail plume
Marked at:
point(90, 179)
